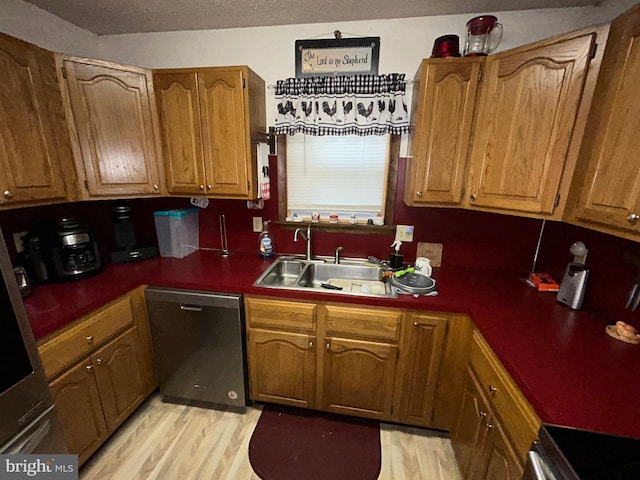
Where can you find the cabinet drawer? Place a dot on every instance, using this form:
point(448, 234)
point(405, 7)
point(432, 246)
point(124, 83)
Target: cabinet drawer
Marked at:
point(517, 416)
point(375, 323)
point(262, 312)
point(69, 346)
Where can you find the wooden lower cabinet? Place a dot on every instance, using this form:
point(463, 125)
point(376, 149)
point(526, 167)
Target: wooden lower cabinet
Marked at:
point(424, 339)
point(282, 367)
point(349, 359)
point(79, 408)
point(358, 377)
point(495, 425)
point(104, 382)
point(119, 376)
point(482, 448)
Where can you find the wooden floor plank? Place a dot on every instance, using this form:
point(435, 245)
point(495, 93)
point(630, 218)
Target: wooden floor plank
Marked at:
point(166, 441)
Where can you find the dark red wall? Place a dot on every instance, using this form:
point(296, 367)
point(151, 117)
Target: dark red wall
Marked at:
point(470, 239)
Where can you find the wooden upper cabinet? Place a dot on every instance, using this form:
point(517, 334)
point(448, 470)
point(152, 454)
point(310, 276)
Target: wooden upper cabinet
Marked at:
point(609, 192)
point(528, 106)
point(112, 112)
point(444, 94)
point(33, 139)
point(211, 118)
point(224, 135)
point(179, 110)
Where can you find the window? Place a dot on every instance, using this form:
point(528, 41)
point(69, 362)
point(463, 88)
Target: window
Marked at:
point(343, 175)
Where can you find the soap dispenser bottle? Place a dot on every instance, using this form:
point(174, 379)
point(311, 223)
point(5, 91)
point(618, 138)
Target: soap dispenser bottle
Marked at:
point(396, 257)
point(266, 242)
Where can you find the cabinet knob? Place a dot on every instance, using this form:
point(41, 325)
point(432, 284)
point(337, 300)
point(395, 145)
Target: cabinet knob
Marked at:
point(90, 339)
point(209, 187)
point(7, 194)
point(156, 187)
point(492, 389)
point(631, 218)
point(489, 426)
point(89, 368)
point(328, 346)
point(200, 187)
point(473, 196)
point(310, 344)
point(415, 324)
point(419, 194)
point(483, 414)
point(99, 361)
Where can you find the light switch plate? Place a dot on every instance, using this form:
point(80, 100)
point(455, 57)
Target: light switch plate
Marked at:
point(404, 233)
point(257, 224)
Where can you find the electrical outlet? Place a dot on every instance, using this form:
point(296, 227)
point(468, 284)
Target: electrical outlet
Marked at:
point(404, 233)
point(17, 240)
point(257, 224)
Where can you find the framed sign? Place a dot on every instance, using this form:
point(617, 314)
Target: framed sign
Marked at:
point(344, 56)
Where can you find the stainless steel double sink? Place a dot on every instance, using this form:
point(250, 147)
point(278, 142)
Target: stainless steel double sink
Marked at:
point(350, 277)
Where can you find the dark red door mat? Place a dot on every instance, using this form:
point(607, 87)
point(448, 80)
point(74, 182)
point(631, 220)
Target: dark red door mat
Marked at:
point(295, 444)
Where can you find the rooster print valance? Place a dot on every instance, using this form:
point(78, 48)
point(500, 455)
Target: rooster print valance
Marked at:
point(342, 105)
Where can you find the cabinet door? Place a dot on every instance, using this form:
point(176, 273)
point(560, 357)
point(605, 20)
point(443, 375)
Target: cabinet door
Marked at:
point(77, 400)
point(529, 100)
point(282, 367)
point(443, 102)
point(179, 110)
point(224, 132)
point(119, 377)
point(611, 190)
point(33, 136)
point(468, 436)
point(424, 339)
point(113, 117)
point(358, 377)
point(501, 461)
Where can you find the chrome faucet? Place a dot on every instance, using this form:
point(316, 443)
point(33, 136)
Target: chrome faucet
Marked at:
point(306, 237)
point(337, 255)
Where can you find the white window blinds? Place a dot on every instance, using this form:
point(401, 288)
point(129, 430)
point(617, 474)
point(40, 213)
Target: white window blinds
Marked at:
point(337, 174)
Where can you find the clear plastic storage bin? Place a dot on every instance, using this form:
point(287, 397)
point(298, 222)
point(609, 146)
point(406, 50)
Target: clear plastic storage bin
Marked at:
point(177, 231)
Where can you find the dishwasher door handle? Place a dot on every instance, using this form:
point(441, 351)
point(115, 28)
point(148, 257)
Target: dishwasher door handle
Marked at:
point(190, 308)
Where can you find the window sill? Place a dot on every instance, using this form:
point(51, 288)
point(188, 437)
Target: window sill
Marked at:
point(340, 227)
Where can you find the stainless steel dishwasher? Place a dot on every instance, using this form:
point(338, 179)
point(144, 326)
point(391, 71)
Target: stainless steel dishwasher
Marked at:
point(199, 343)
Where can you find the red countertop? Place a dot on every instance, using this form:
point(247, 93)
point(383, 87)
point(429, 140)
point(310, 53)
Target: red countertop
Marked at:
point(571, 372)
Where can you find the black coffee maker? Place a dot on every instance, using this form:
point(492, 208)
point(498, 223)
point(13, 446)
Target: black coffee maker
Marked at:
point(127, 246)
point(61, 251)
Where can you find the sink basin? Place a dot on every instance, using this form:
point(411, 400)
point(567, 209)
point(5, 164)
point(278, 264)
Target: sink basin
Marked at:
point(353, 277)
point(282, 273)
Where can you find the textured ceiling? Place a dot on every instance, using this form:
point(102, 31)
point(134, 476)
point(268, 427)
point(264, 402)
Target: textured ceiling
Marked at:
point(128, 16)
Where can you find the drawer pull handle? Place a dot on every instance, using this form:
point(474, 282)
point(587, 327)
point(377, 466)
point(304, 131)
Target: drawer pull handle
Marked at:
point(89, 368)
point(492, 390)
point(90, 339)
point(7, 194)
point(633, 218)
point(99, 361)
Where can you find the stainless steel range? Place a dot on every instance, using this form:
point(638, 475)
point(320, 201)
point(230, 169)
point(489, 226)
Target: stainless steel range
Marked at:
point(562, 453)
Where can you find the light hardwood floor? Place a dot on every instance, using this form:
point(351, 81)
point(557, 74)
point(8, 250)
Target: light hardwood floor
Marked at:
point(164, 441)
